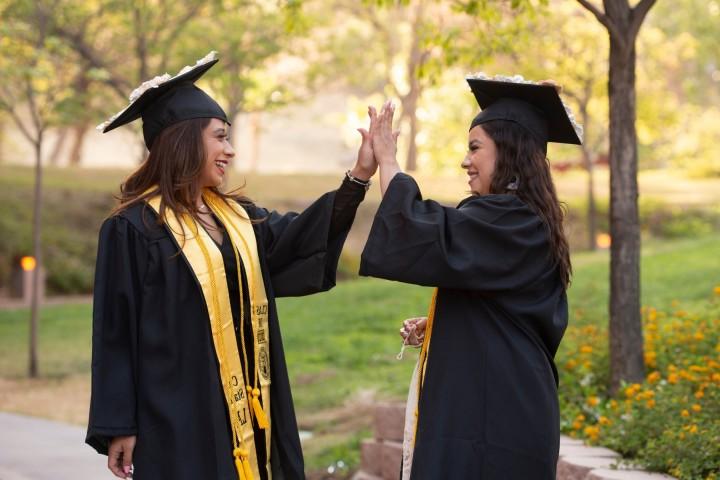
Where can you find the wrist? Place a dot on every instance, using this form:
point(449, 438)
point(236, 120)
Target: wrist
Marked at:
point(361, 173)
point(387, 160)
point(352, 179)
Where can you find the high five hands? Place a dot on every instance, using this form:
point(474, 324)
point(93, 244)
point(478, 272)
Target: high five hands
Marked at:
point(379, 146)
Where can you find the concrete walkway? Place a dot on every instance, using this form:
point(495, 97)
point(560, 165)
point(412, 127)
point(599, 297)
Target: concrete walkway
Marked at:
point(36, 449)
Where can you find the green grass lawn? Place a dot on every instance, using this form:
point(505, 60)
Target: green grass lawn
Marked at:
point(341, 346)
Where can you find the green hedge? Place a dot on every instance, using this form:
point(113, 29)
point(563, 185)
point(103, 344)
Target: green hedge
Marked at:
point(72, 216)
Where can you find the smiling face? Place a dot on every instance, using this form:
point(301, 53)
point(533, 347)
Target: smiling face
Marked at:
point(480, 160)
point(218, 153)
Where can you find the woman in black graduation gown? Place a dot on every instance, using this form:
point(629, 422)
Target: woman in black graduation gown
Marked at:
point(179, 334)
point(486, 400)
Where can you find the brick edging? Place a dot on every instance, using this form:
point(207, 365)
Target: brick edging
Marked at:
point(380, 456)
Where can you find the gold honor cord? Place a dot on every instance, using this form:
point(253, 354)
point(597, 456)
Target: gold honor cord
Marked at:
point(239, 228)
point(208, 267)
point(423, 358)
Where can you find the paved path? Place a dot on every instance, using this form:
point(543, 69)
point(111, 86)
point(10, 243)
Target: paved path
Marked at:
point(36, 449)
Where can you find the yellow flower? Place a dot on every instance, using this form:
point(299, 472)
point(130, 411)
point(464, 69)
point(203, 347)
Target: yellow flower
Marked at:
point(693, 429)
point(631, 390)
point(699, 394)
point(681, 435)
point(593, 401)
point(672, 378)
point(699, 336)
point(717, 289)
point(580, 418)
point(586, 349)
point(570, 364)
point(577, 425)
point(680, 313)
point(685, 413)
point(654, 377)
point(650, 403)
point(592, 432)
point(696, 408)
point(613, 404)
point(650, 358)
point(652, 314)
point(603, 420)
point(716, 377)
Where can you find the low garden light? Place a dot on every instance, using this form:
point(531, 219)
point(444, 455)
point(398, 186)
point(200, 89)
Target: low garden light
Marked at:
point(603, 240)
point(28, 263)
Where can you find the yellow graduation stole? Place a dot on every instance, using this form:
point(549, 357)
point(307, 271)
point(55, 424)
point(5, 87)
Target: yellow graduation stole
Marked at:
point(412, 410)
point(242, 389)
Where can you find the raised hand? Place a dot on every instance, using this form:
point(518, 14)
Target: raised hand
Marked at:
point(366, 165)
point(384, 139)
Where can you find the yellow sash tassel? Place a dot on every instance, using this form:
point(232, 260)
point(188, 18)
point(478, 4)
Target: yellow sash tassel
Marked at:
point(242, 464)
point(239, 468)
point(259, 412)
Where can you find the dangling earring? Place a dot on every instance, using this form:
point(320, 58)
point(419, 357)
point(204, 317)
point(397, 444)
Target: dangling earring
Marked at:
point(514, 184)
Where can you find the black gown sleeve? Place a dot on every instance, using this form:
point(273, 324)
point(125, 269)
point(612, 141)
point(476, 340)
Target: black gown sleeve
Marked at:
point(120, 268)
point(489, 243)
point(302, 249)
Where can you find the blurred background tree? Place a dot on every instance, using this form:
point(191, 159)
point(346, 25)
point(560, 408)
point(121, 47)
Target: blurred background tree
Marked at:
point(36, 92)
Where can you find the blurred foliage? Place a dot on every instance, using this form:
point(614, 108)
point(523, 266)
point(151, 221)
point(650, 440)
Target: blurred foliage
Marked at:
point(417, 51)
point(75, 205)
point(71, 220)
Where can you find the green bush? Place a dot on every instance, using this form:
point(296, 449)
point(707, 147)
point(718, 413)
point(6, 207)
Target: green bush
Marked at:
point(670, 422)
point(70, 224)
point(657, 219)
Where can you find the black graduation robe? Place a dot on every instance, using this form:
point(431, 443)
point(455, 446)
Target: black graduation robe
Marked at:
point(488, 407)
point(154, 368)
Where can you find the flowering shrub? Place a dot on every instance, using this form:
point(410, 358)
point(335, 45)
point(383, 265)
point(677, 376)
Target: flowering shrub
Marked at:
point(671, 421)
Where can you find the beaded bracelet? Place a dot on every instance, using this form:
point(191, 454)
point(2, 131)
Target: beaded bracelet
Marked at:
point(364, 183)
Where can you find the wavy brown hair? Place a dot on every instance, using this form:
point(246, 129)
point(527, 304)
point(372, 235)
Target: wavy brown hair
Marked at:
point(172, 170)
point(521, 160)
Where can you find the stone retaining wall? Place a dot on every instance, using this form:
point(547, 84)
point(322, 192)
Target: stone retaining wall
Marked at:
point(380, 456)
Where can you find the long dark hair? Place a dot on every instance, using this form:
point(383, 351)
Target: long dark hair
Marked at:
point(172, 170)
point(522, 164)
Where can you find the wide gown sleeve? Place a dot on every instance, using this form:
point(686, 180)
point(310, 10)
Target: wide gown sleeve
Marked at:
point(120, 268)
point(302, 250)
point(490, 243)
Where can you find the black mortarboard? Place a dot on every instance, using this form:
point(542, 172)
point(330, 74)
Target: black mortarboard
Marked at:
point(166, 100)
point(536, 107)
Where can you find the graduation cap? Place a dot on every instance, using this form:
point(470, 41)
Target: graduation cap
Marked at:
point(536, 107)
point(166, 100)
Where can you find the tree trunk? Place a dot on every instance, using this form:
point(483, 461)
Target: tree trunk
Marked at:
point(410, 101)
point(588, 161)
point(54, 158)
point(255, 128)
point(411, 163)
point(591, 209)
point(75, 157)
point(37, 253)
point(626, 340)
